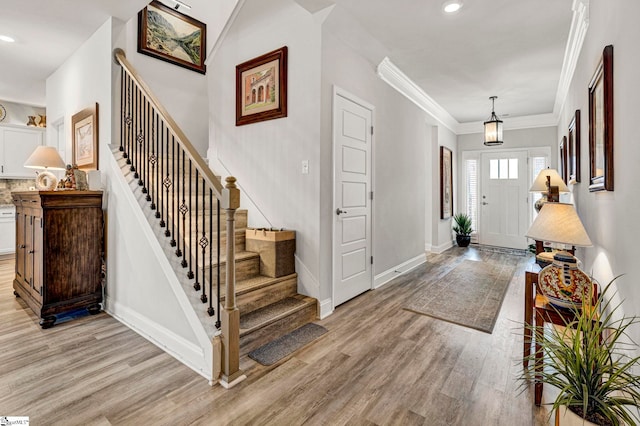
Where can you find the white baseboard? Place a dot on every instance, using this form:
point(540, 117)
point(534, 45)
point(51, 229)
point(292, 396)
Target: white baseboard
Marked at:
point(184, 351)
point(428, 247)
point(404, 267)
point(442, 247)
point(326, 308)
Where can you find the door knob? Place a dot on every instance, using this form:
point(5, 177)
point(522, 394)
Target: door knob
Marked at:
point(339, 212)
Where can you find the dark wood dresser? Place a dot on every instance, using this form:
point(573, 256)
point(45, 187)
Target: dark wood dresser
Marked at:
point(58, 251)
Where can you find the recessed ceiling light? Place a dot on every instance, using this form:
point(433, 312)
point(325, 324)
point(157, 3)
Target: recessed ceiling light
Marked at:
point(7, 39)
point(452, 6)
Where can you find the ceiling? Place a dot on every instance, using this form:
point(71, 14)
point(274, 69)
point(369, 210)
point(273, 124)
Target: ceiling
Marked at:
point(510, 48)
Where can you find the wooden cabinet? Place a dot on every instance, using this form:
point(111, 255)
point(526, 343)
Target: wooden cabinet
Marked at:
point(58, 251)
point(16, 145)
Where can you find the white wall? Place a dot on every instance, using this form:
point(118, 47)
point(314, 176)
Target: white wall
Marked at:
point(19, 113)
point(400, 151)
point(609, 216)
point(138, 292)
point(442, 236)
point(266, 157)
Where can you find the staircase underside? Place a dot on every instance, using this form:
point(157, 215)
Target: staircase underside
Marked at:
point(269, 307)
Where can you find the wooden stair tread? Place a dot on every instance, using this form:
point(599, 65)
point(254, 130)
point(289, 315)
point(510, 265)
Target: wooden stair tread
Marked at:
point(264, 316)
point(255, 283)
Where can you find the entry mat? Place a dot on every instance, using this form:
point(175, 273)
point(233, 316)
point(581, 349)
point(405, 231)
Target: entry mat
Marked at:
point(284, 346)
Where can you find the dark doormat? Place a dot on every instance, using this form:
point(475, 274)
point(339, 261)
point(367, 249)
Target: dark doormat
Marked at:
point(284, 346)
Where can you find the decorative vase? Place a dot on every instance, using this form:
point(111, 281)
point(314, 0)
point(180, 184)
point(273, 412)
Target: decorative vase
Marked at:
point(32, 121)
point(563, 282)
point(43, 121)
point(463, 240)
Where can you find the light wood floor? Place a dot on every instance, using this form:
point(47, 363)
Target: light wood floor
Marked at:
point(378, 364)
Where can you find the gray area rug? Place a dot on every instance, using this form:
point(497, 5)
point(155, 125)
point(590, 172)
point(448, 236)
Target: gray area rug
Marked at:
point(274, 351)
point(502, 250)
point(470, 295)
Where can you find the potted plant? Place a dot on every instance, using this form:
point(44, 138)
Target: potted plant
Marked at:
point(462, 228)
point(589, 362)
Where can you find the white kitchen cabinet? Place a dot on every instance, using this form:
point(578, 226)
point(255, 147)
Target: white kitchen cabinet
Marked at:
point(16, 145)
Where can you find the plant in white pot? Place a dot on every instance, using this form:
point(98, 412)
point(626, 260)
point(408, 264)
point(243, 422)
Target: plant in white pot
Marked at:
point(462, 228)
point(591, 361)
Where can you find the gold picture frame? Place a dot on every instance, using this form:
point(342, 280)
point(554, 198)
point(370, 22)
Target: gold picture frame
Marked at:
point(84, 138)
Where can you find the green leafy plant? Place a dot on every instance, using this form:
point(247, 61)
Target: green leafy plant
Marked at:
point(589, 361)
point(462, 224)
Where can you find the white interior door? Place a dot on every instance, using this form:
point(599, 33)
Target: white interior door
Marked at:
point(352, 261)
point(504, 199)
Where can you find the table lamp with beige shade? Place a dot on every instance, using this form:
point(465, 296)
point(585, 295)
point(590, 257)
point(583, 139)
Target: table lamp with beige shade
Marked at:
point(46, 158)
point(562, 281)
point(550, 184)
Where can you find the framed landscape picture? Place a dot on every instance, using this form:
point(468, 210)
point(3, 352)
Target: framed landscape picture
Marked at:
point(261, 88)
point(171, 36)
point(601, 124)
point(84, 137)
point(446, 183)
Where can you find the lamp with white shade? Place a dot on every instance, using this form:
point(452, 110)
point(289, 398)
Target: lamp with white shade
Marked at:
point(550, 184)
point(562, 281)
point(46, 158)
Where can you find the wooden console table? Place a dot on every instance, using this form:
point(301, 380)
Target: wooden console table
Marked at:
point(58, 253)
point(538, 309)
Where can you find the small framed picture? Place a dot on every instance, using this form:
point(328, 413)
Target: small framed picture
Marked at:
point(601, 124)
point(261, 88)
point(564, 169)
point(574, 148)
point(84, 136)
point(446, 183)
point(166, 34)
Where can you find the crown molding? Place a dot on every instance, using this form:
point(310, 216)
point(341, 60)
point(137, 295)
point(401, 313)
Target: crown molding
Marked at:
point(512, 123)
point(393, 76)
point(577, 33)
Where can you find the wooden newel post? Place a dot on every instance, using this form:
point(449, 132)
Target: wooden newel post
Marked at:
point(231, 373)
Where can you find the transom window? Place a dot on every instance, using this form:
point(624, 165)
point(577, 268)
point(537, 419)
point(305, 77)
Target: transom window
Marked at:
point(503, 168)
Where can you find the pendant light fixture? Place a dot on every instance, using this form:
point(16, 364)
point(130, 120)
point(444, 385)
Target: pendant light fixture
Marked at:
point(493, 127)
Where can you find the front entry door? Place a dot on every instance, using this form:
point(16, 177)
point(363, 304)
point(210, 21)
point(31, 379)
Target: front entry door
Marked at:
point(352, 261)
point(504, 199)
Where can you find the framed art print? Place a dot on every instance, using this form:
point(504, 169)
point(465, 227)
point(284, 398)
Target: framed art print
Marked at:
point(574, 148)
point(84, 137)
point(446, 183)
point(261, 88)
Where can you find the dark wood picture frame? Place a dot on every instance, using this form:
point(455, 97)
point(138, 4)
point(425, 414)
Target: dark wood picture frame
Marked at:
point(190, 53)
point(446, 183)
point(261, 88)
point(84, 138)
point(564, 172)
point(601, 168)
point(574, 148)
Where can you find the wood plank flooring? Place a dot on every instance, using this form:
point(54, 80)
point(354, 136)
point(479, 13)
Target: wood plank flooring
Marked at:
point(377, 365)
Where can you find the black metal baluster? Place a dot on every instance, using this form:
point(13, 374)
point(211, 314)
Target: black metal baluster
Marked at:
point(196, 285)
point(162, 165)
point(123, 112)
point(129, 122)
point(183, 211)
point(134, 133)
point(210, 310)
point(141, 137)
point(173, 191)
point(152, 160)
point(204, 242)
point(158, 189)
point(190, 273)
point(147, 141)
point(167, 184)
point(218, 323)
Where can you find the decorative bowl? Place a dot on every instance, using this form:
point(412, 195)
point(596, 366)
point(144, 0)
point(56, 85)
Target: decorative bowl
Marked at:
point(563, 283)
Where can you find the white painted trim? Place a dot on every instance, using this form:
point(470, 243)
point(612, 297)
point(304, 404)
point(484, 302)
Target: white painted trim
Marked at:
point(428, 247)
point(181, 349)
point(229, 385)
point(393, 76)
point(325, 308)
point(307, 283)
point(403, 268)
point(442, 247)
point(577, 33)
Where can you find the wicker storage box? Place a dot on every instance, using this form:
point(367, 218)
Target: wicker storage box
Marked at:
point(276, 249)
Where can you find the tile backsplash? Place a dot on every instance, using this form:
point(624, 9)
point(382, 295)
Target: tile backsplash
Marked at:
point(8, 185)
